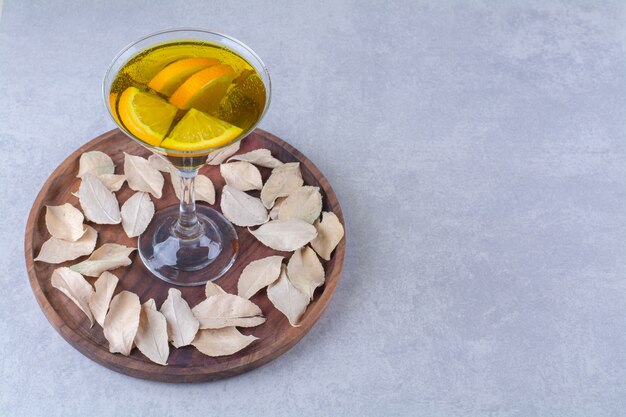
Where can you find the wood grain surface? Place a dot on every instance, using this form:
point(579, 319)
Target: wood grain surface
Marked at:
point(186, 364)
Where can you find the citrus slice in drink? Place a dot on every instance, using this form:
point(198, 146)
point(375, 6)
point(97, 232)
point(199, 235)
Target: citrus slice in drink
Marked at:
point(173, 75)
point(205, 89)
point(112, 103)
point(146, 116)
point(198, 131)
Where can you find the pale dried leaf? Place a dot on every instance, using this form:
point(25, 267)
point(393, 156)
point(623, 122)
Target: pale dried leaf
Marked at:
point(305, 271)
point(55, 251)
point(203, 187)
point(223, 310)
point(182, 325)
point(76, 287)
point(159, 163)
point(259, 157)
point(213, 289)
point(219, 156)
point(258, 274)
point(242, 175)
point(303, 203)
point(329, 234)
point(112, 181)
point(141, 176)
point(221, 342)
point(98, 203)
point(65, 222)
point(121, 322)
point(137, 213)
point(283, 180)
point(150, 304)
point(285, 235)
point(101, 298)
point(106, 257)
point(151, 337)
point(287, 298)
point(95, 163)
point(242, 209)
point(275, 211)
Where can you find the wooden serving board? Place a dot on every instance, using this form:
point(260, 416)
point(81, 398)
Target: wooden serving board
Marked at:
point(185, 364)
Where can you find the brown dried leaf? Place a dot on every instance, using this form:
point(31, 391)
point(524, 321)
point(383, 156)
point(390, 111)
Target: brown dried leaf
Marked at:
point(95, 163)
point(224, 310)
point(329, 234)
point(182, 325)
point(106, 257)
point(258, 274)
point(285, 235)
point(159, 163)
point(65, 222)
point(287, 298)
point(283, 180)
point(141, 176)
point(99, 301)
point(55, 251)
point(219, 156)
point(98, 203)
point(151, 337)
point(221, 342)
point(242, 209)
point(259, 157)
point(137, 213)
point(213, 289)
point(242, 175)
point(112, 181)
point(303, 203)
point(121, 322)
point(76, 287)
point(305, 271)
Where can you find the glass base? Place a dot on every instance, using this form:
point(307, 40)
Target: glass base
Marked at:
point(189, 262)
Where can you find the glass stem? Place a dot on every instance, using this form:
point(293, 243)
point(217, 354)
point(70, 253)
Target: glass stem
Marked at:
point(187, 226)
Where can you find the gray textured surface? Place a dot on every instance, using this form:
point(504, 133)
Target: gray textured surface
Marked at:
point(478, 150)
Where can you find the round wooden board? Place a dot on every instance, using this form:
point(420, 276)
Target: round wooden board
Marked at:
point(186, 364)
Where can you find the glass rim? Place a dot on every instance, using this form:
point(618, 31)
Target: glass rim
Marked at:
point(184, 153)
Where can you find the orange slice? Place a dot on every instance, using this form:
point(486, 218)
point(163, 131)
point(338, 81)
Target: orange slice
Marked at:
point(198, 131)
point(112, 103)
point(205, 89)
point(146, 116)
point(174, 74)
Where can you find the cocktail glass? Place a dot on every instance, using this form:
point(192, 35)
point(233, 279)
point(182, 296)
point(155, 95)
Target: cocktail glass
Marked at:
point(187, 244)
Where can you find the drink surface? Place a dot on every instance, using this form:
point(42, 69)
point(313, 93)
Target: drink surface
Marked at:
point(187, 96)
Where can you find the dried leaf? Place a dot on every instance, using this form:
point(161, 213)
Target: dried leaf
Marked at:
point(219, 156)
point(55, 251)
point(98, 203)
point(242, 209)
point(141, 176)
point(99, 301)
point(151, 337)
point(160, 163)
point(221, 342)
point(65, 222)
point(329, 234)
point(213, 289)
point(242, 175)
point(121, 322)
point(285, 235)
point(305, 271)
point(182, 325)
point(112, 181)
point(95, 163)
point(283, 180)
point(150, 304)
point(287, 298)
point(106, 257)
point(303, 203)
point(258, 274)
point(223, 310)
point(76, 287)
point(275, 211)
point(137, 213)
point(259, 157)
point(203, 188)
